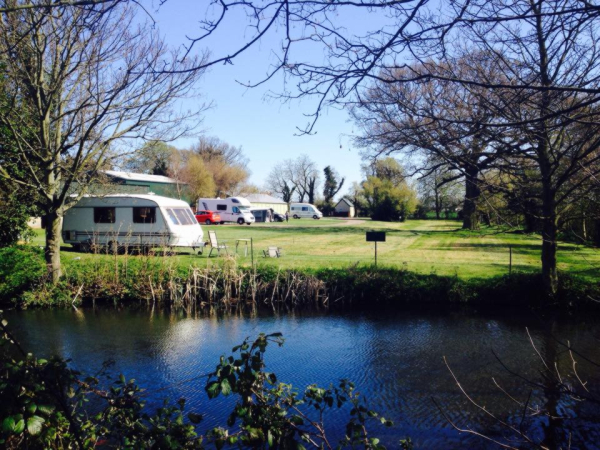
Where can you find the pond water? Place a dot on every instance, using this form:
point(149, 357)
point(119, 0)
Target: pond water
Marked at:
point(395, 359)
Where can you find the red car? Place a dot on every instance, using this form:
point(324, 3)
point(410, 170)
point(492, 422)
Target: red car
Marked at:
point(208, 217)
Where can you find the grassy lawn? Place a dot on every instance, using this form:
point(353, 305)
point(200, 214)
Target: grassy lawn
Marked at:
point(426, 246)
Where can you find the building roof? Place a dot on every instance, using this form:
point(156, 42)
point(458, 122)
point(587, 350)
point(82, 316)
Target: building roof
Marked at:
point(346, 201)
point(130, 176)
point(263, 198)
point(157, 199)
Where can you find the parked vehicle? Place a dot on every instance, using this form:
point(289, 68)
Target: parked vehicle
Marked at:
point(278, 217)
point(208, 217)
point(131, 220)
point(299, 210)
point(231, 209)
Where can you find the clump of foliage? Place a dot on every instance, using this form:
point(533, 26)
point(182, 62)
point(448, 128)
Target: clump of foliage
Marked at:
point(44, 404)
point(21, 268)
point(14, 215)
point(388, 196)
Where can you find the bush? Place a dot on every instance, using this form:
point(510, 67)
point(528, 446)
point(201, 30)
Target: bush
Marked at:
point(21, 268)
point(14, 215)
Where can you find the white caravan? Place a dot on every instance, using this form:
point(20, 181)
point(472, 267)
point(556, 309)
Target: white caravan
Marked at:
point(130, 220)
point(231, 209)
point(299, 210)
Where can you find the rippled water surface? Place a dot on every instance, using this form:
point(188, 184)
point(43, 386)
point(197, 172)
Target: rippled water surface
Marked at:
point(397, 360)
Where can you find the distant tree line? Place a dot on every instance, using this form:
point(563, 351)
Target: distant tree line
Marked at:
point(385, 193)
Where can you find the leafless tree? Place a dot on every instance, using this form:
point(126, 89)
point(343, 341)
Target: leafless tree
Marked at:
point(300, 176)
point(439, 125)
point(82, 80)
point(280, 180)
point(438, 194)
point(305, 175)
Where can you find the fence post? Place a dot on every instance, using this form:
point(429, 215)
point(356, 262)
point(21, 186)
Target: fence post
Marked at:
point(510, 260)
point(375, 253)
point(252, 251)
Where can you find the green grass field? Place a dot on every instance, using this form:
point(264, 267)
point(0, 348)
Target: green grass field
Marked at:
point(427, 246)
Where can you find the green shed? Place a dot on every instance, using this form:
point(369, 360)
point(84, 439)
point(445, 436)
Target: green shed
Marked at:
point(157, 184)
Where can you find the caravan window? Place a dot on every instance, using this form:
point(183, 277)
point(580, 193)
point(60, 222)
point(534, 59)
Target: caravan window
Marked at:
point(104, 215)
point(184, 219)
point(144, 214)
point(173, 217)
point(235, 209)
point(191, 215)
point(221, 207)
point(305, 208)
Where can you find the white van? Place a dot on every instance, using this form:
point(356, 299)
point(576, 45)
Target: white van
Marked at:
point(231, 209)
point(299, 210)
point(131, 220)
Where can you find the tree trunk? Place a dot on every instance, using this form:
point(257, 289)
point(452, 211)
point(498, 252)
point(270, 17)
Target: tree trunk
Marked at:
point(472, 193)
point(530, 221)
point(549, 242)
point(52, 250)
point(438, 206)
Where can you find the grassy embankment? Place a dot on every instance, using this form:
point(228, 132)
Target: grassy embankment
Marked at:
point(326, 264)
point(427, 246)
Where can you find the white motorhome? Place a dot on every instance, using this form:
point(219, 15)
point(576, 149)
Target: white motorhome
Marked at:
point(131, 220)
point(231, 209)
point(299, 210)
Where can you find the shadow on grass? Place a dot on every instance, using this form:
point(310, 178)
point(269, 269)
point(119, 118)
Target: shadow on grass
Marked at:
point(494, 246)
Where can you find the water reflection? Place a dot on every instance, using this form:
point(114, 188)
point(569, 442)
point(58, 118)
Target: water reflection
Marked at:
point(395, 359)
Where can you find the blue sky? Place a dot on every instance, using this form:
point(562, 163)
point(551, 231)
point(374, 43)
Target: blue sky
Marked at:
point(265, 128)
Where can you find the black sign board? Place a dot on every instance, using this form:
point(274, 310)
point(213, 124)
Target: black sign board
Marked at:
point(375, 236)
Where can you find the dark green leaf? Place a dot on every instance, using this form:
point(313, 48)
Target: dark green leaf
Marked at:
point(8, 424)
point(270, 438)
point(34, 425)
point(46, 409)
point(213, 389)
point(225, 387)
point(297, 420)
point(195, 418)
point(19, 427)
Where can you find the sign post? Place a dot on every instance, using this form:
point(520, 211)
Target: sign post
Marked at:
point(376, 236)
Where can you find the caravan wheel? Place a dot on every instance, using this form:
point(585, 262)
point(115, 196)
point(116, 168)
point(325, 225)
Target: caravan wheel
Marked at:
point(296, 216)
point(241, 221)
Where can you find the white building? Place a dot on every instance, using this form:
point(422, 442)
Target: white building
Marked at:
point(345, 208)
point(265, 201)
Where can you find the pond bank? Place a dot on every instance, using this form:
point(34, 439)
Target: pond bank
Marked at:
point(161, 282)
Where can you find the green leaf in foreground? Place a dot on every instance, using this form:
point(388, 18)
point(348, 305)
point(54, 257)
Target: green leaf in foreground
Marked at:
point(34, 425)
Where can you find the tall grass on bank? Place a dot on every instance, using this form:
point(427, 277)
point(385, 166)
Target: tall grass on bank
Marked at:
point(159, 280)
